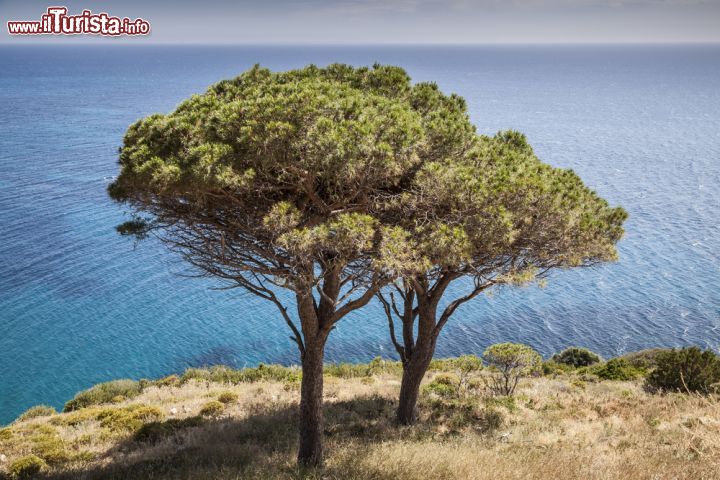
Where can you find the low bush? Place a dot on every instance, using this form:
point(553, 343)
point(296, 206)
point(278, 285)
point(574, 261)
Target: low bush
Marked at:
point(507, 402)
point(376, 366)
point(457, 414)
point(169, 381)
point(510, 362)
point(689, 369)
point(223, 374)
point(346, 370)
point(27, 467)
point(76, 417)
point(446, 379)
point(104, 393)
point(615, 369)
point(292, 385)
point(212, 409)
point(551, 368)
point(644, 359)
point(128, 419)
point(37, 411)
point(46, 443)
point(154, 432)
point(576, 357)
point(466, 365)
point(228, 397)
point(444, 385)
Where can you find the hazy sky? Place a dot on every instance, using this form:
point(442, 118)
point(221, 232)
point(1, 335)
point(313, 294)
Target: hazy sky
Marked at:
point(395, 21)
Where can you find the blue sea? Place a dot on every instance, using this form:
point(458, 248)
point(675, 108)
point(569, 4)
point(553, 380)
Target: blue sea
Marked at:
point(80, 305)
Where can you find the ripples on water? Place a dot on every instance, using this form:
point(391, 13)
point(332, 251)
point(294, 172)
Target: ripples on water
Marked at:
point(79, 305)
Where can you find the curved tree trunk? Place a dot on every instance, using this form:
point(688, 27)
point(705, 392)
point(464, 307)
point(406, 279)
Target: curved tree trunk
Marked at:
point(413, 372)
point(310, 452)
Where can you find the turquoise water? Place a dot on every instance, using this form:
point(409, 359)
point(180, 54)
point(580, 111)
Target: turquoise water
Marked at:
point(80, 305)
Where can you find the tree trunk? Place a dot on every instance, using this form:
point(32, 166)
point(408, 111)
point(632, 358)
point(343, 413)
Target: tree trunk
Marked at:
point(311, 412)
point(413, 372)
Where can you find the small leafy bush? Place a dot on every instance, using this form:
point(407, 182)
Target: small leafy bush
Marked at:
point(37, 411)
point(509, 363)
point(464, 413)
point(104, 393)
point(507, 402)
point(688, 369)
point(169, 381)
point(212, 409)
point(292, 385)
point(47, 444)
point(444, 385)
point(552, 368)
point(154, 432)
point(77, 417)
point(644, 359)
point(128, 419)
point(616, 369)
point(466, 365)
point(228, 397)
point(446, 379)
point(576, 357)
point(27, 467)
point(441, 365)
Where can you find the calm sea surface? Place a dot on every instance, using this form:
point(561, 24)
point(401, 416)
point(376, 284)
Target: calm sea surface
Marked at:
point(80, 305)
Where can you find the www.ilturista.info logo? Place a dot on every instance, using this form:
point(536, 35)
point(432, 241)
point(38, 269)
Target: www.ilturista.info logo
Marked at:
point(57, 22)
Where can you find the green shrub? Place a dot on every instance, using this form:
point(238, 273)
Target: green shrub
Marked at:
point(458, 413)
point(443, 385)
point(51, 449)
point(465, 366)
point(169, 381)
point(346, 370)
point(128, 419)
point(362, 370)
point(104, 393)
point(442, 364)
point(576, 357)
point(228, 397)
point(223, 374)
point(292, 385)
point(278, 373)
point(27, 467)
point(268, 373)
point(37, 411)
point(644, 359)
point(551, 367)
point(510, 362)
point(378, 365)
point(507, 402)
point(156, 431)
point(688, 369)
point(468, 363)
point(212, 409)
point(446, 379)
point(616, 369)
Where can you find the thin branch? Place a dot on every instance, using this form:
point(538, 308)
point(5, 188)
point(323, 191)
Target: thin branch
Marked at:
point(391, 325)
point(450, 309)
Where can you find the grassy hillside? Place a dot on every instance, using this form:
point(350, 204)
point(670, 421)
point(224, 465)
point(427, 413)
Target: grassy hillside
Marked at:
point(229, 424)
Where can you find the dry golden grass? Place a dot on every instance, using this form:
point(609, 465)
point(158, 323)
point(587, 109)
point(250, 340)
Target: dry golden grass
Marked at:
point(552, 428)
